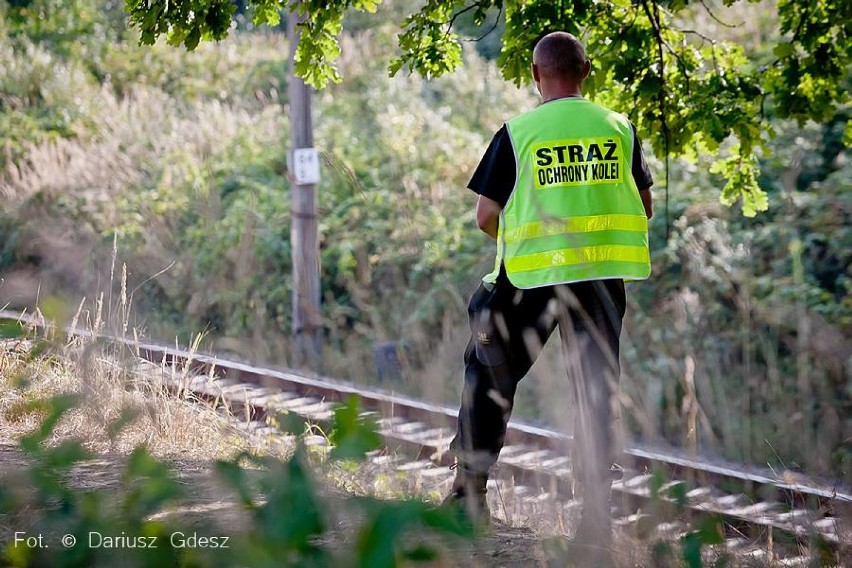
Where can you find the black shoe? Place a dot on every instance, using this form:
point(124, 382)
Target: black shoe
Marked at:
point(468, 494)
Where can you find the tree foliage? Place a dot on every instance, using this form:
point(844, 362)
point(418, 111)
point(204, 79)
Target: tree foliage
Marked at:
point(687, 91)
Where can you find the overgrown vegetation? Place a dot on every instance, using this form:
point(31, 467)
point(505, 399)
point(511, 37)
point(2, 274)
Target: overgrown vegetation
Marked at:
point(741, 334)
point(283, 515)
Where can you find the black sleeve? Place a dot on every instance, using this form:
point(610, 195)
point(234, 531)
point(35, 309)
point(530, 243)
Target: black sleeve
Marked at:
point(641, 173)
point(494, 177)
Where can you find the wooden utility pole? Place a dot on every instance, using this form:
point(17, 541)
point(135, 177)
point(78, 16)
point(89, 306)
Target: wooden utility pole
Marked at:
point(304, 241)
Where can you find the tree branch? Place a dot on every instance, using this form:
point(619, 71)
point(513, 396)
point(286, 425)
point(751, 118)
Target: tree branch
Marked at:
point(492, 28)
point(654, 18)
point(712, 15)
point(703, 37)
point(464, 10)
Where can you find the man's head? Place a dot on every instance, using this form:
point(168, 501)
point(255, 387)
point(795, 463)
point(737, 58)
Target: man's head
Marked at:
point(559, 62)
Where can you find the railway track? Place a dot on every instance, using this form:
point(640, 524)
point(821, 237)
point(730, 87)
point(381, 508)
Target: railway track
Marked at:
point(534, 471)
point(659, 493)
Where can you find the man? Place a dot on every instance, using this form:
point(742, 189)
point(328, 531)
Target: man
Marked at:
point(565, 191)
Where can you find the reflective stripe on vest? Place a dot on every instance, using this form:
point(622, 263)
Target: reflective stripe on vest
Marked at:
point(579, 224)
point(575, 213)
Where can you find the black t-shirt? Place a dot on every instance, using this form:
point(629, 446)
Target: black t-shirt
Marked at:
point(494, 177)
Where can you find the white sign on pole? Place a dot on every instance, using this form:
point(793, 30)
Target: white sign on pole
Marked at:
point(306, 165)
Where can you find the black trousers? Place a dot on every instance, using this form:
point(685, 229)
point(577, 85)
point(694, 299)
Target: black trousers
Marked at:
point(509, 327)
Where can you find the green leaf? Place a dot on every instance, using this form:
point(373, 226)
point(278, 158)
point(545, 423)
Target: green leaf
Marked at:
point(381, 535)
point(151, 484)
point(289, 422)
point(267, 12)
point(55, 407)
point(288, 486)
point(711, 529)
point(658, 479)
point(192, 38)
point(783, 50)
point(691, 549)
point(421, 553)
point(353, 434)
point(678, 492)
point(127, 417)
point(11, 329)
point(66, 455)
point(233, 476)
point(366, 5)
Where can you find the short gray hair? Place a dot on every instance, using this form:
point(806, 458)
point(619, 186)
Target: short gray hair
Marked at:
point(560, 53)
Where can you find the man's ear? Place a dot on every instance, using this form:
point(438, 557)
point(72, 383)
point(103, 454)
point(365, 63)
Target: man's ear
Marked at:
point(587, 68)
point(535, 73)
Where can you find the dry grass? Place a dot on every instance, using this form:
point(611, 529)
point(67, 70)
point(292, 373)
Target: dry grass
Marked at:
point(109, 394)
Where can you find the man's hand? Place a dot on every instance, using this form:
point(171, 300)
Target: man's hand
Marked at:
point(488, 215)
point(645, 194)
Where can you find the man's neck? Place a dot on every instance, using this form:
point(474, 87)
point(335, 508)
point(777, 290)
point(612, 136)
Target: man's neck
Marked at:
point(560, 97)
point(560, 91)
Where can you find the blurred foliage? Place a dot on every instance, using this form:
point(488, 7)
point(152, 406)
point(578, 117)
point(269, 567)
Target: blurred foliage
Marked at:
point(181, 156)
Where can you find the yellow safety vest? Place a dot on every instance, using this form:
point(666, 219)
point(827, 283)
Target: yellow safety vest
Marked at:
point(575, 212)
